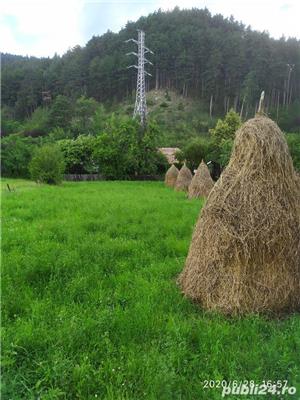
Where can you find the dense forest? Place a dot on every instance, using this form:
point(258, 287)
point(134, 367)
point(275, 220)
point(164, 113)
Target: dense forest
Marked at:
point(219, 62)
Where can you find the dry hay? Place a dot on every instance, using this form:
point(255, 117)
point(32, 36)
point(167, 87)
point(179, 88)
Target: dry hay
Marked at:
point(244, 254)
point(184, 179)
point(171, 176)
point(202, 182)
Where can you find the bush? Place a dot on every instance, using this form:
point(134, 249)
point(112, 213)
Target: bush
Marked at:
point(16, 152)
point(8, 124)
point(225, 149)
point(196, 150)
point(115, 152)
point(149, 160)
point(37, 124)
point(222, 137)
point(226, 128)
point(164, 104)
point(180, 106)
point(60, 113)
point(47, 165)
point(60, 134)
point(84, 113)
point(293, 140)
point(78, 154)
point(124, 150)
point(288, 118)
point(167, 95)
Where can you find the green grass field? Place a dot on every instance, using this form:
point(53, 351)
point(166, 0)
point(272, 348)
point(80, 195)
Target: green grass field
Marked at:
point(90, 306)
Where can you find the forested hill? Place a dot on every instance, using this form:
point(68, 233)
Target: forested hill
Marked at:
point(216, 60)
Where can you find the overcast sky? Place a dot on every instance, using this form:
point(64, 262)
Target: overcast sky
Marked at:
point(45, 27)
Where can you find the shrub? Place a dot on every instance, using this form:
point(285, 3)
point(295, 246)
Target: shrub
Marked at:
point(167, 95)
point(115, 152)
point(60, 134)
point(84, 112)
point(288, 118)
point(293, 140)
point(150, 102)
point(164, 104)
point(225, 129)
point(161, 163)
point(16, 152)
point(196, 150)
point(37, 124)
point(60, 113)
point(47, 165)
point(124, 150)
point(8, 124)
point(223, 136)
point(78, 154)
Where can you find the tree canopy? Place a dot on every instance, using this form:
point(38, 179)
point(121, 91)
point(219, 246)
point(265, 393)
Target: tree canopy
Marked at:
point(215, 59)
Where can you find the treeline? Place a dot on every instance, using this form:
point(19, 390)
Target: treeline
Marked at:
point(218, 61)
point(120, 150)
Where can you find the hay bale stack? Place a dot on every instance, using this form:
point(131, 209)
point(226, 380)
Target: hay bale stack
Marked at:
point(184, 179)
point(202, 182)
point(244, 255)
point(171, 176)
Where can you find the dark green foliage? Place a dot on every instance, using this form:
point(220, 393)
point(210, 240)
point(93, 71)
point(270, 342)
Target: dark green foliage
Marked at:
point(225, 150)
point(167, 96)
point(164, 104)
point(78, 154)
point(38, 123)
point(16, 152)
point(57, 134)
point(196, 150)
point(150, 161)
point(195, 54)
point(293, 140)
point(226, 128)
point(98, 313)
point(223, 136)
point(47, 165)
point(120, 150)
point(8, 123)
point(124, 150)
point(60, 113)
point(289, 118)
point(83, 116)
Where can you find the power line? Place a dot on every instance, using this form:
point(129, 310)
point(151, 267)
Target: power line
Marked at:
point(140, 108)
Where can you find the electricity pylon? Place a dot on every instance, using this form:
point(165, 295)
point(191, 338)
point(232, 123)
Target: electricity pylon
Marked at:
point(140, 108)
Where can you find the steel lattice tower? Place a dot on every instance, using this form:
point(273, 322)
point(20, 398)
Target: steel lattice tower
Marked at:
point(140, 108)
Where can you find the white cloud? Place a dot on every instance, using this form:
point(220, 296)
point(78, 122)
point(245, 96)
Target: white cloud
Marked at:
point(39, 28)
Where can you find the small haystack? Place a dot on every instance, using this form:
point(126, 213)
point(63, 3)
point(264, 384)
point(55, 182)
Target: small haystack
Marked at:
point(184, 179)
point(171, 176)
point(202, 183)
point(245, 252)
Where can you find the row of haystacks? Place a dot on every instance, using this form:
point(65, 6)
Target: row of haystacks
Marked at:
point(245, 251)
point(197, 186)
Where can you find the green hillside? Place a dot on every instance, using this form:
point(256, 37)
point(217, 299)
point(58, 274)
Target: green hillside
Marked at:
point(209, 58)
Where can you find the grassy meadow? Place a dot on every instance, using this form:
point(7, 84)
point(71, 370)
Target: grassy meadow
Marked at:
point(90, 306)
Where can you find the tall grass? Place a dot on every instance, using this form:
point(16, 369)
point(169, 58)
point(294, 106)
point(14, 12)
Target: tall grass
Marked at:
point(91, 308)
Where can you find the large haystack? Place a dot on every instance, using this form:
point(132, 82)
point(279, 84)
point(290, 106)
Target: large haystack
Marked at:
point(184, 179)
point(171, 176)
point(202, 182)
point(244, 255)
